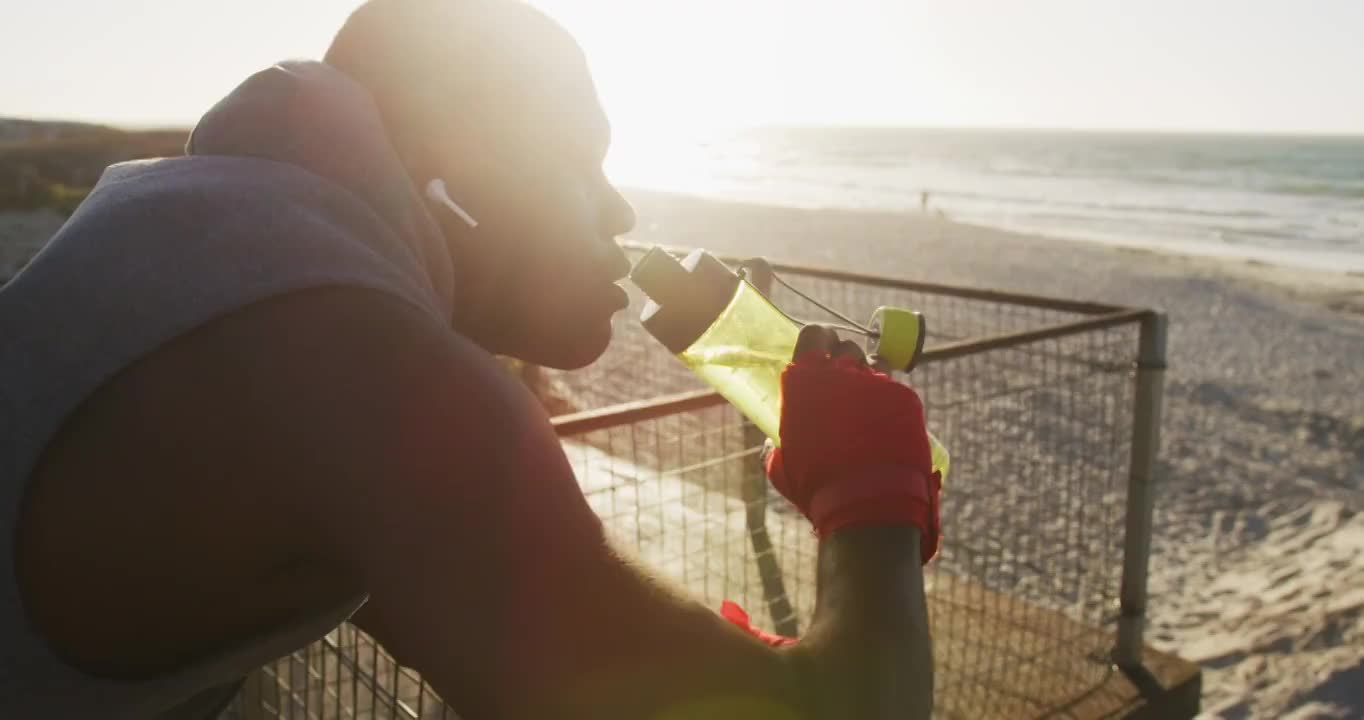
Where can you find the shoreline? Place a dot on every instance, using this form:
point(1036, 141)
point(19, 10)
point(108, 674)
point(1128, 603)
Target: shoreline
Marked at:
point(1252, 267)
point(1341, 290)
point(1212, 252)
point(1294, 279)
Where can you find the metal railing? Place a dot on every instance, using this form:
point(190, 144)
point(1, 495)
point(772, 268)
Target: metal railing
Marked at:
point(1051, 411)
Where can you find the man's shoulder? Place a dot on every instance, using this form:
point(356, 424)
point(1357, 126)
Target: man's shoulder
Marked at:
point(212, 183)
point(223, 231)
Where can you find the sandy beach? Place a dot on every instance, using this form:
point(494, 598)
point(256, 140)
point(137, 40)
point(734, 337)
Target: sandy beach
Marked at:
point(1258, 571)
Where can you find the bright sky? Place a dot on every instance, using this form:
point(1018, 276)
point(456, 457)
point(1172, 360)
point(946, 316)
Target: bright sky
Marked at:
point(663, 65)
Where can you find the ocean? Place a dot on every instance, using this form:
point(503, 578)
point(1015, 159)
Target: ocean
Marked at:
point(1284, 200)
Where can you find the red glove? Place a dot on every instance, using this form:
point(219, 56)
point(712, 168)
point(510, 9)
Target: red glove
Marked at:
point(735, 614)
point(854, 450)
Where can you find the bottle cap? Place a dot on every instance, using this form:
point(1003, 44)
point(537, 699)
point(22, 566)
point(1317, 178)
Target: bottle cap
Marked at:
point(685, 297)
point(897, 337)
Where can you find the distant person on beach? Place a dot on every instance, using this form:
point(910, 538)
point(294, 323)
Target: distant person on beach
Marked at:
point(923, 202)
point(252, 390)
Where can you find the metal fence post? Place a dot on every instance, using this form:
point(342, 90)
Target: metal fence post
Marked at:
point(1150, 391)
point(754, 493)
point(251, 702)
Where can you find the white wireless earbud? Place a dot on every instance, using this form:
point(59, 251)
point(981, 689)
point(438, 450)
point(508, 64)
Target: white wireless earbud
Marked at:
point(435, 192)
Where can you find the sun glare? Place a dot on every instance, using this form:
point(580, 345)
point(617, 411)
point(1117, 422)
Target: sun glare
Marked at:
point(672, 78)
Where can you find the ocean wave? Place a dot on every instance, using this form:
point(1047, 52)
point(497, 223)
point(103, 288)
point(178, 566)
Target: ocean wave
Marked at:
point(1240, 214)
point(1347, 192)
point(1225, 180)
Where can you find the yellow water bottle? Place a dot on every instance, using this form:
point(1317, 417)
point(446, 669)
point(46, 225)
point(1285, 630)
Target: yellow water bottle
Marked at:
point(734, 338)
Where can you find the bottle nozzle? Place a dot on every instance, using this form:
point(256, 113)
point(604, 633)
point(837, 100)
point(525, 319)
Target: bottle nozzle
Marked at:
point(685, 296)
point(661, 277)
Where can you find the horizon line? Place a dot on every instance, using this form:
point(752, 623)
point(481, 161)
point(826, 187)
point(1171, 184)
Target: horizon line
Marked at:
point(155, 125)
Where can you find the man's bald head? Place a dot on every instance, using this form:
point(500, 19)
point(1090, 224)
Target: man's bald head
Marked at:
point(446, 66)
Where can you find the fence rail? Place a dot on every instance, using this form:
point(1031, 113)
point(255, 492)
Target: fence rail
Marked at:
point(883, 281)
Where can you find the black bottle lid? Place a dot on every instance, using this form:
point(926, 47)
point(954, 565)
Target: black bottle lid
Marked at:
point(685, 297)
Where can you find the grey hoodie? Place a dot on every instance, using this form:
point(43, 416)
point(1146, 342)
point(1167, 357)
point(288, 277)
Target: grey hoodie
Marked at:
point(288, 184)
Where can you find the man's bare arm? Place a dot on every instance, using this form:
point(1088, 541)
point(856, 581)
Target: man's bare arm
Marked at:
point(448, 498)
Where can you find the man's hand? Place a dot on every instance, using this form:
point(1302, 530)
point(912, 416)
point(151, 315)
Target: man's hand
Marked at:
point(855, 451)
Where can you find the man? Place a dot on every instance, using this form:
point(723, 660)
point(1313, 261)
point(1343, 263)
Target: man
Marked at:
point(246, 389)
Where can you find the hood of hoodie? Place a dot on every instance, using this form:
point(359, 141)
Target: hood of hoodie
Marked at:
point(310, 115)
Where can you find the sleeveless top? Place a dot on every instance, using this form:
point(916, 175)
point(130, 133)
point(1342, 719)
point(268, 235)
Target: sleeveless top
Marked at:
point(287, 184)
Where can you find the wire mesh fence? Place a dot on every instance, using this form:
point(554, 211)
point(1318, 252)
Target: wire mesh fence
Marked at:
point(1024, 594)
point(1023, 597)
point(344, 675)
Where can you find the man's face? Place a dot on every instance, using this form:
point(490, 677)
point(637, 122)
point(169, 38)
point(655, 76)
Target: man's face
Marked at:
point(538, 274)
